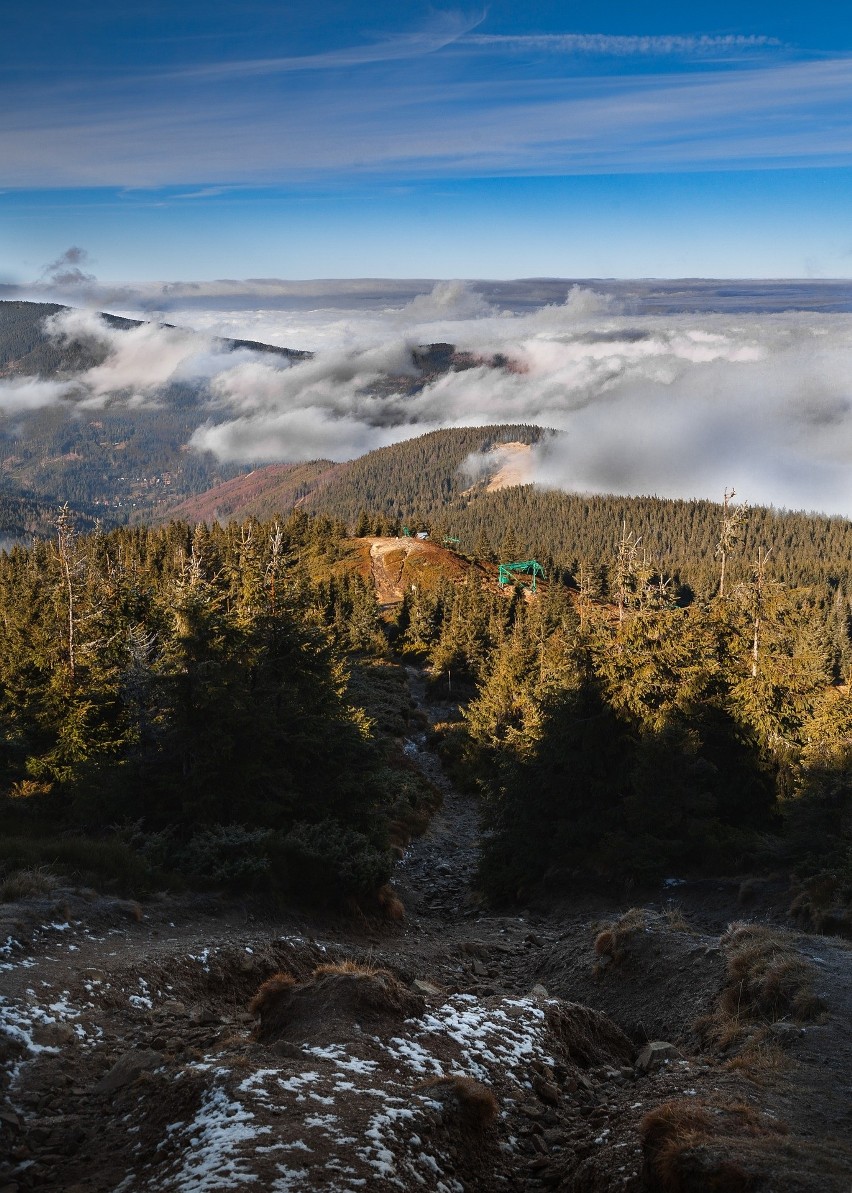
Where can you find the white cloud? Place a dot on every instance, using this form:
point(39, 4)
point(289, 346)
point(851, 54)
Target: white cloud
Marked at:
point(610, 45)
point(679, 405)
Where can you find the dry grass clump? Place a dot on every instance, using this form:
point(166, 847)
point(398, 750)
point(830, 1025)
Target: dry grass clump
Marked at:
point(766, 981)
point(762, 1061)
point(767, 978)
point(27, 883)
point(627, 938)
point(350, 968)
point(589, 1037)
point(617, 939)
point(391, 905)
point(690, 1147)
point(330, 1000)
point(270, 991)
point(473, 1103)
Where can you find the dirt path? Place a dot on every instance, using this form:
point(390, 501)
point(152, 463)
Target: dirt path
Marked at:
point(436, 875)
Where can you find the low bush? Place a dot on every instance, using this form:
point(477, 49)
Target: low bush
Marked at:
point(107, 863)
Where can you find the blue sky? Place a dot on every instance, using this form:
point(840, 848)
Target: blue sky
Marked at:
point(255, 139)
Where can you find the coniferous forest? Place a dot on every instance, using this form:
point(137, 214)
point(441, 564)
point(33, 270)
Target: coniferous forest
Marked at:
point(224, 706)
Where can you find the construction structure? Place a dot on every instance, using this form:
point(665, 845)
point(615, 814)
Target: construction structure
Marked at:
point(524, 572)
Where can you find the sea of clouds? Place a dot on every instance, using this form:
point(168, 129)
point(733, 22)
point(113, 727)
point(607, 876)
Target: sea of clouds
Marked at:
point(678, 404)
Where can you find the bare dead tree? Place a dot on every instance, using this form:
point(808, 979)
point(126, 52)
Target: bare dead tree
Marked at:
point(626, 564)
point(71, 566)
point(731, 532)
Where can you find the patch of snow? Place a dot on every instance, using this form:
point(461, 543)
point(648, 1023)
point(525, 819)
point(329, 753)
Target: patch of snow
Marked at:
point(211, 1157)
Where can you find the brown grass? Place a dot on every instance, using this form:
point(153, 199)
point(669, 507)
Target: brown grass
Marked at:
point(762, 1061)
point(767, 977)
point(616, 937)
point(391, 905)
point(348, 968)
point(474, 1102)
point(28, 883)
point(272, 989)
point(690, 1146)
point(588, 1036)
point(766, 981)
point(627, 938)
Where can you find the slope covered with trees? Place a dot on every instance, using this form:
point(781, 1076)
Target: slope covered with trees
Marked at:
point(190, 686)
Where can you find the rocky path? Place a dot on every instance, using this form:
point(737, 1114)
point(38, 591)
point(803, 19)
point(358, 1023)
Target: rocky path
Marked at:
point(436, 876)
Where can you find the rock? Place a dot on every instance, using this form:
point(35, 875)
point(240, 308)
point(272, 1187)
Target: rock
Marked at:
point(475, 948)
point(289, 1049)
point(53, 1035)
point(171, 1006)
point(127, 1068)
point(425, 987)
point(200, 1016)
point(655, 1054)
point(546, 1090)
point(538, 991)
point(785, 1033)
point(533, 939)
point(479, 969)
point(539, 1144)
point(10, 1119)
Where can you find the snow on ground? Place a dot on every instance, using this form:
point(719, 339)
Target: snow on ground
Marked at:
point(348, 1115)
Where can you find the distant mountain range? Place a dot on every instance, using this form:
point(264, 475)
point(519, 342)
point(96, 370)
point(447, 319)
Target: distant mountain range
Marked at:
point(26, 350)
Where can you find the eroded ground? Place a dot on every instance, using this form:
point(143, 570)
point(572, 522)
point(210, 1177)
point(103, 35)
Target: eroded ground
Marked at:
point(132, 1062)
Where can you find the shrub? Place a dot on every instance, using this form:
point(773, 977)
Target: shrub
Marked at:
point(328, 862)
point(230, 855)
point(107, 862)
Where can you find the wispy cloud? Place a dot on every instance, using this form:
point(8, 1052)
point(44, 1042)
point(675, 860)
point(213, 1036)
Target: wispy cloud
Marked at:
point(445, 29)
point(610, 45)
point(206, 131)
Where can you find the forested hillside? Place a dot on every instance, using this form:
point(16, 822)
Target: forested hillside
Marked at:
point(417, 479)
point(204, 690)
point(422, 482)
point(189, 689)
point(114, 457)
point(582, 531)
point(26, 349)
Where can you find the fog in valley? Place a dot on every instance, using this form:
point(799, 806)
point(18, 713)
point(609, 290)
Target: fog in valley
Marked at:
point(676, 390)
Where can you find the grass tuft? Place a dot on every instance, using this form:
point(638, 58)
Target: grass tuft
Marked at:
point(474, 1103)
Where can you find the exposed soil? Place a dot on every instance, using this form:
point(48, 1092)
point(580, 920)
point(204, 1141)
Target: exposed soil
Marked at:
point(131, 1060)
